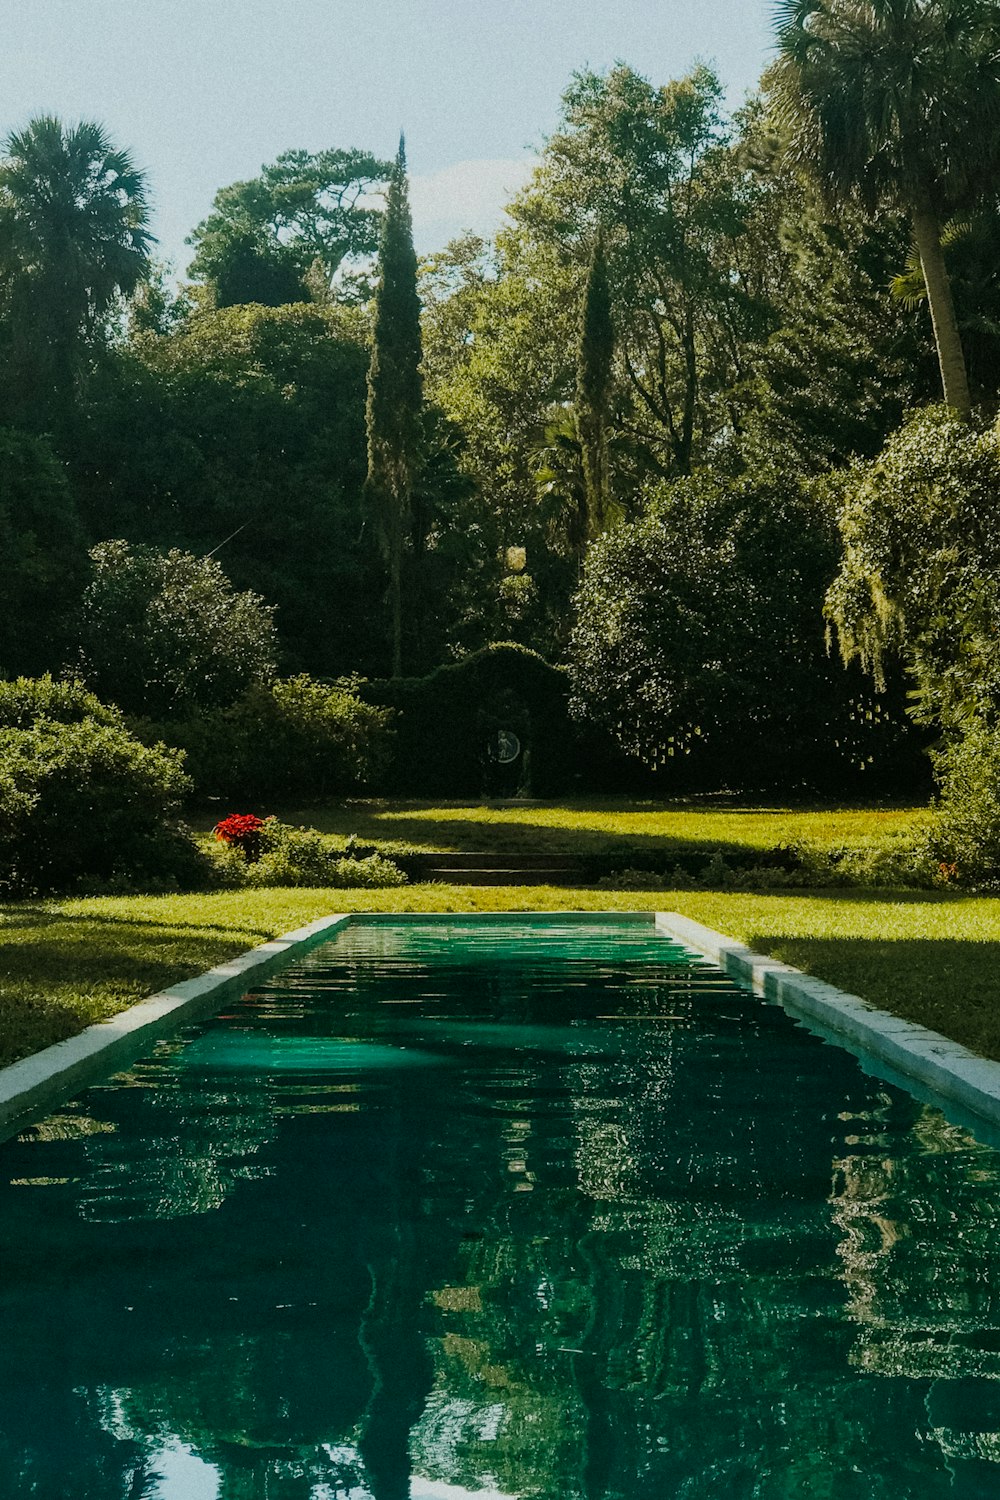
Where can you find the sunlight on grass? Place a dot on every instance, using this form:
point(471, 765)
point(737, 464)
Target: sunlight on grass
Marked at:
point(932, 958)
point(592, 827)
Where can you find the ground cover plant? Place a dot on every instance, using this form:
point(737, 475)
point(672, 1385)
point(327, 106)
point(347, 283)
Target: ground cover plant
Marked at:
point(265, 852)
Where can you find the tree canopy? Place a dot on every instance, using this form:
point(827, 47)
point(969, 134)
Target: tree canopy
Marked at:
point(305, 212)
point(636, 432)
point(898, 100)
point(74, 237)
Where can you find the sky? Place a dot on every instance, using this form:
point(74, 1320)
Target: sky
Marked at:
point(205, 91)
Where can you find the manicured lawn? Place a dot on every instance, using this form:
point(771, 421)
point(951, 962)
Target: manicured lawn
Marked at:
point(933, 958)
point(593, 826)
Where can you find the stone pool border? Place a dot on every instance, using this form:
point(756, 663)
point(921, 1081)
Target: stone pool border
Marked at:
point(946, 1068)
point(35, 1085)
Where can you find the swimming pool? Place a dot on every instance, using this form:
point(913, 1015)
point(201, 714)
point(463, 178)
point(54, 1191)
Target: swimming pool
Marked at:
point(506, 1208)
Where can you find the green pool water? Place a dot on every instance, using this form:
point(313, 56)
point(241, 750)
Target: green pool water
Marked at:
point(502, 1209)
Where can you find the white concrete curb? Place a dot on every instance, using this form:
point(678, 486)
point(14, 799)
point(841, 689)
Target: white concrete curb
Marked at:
point(38, 1084)
point(947, 1068)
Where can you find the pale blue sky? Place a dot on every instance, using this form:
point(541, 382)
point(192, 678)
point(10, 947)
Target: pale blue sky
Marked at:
point(204, 91)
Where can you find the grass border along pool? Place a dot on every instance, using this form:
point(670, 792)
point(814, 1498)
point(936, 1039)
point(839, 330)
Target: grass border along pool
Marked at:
point(37, 1084)
point(942, 1070)
point(930, 957)
point(873, 936)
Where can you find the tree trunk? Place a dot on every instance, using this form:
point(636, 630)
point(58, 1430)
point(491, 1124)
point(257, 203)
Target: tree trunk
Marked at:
point(686, 447)
point(951, 358)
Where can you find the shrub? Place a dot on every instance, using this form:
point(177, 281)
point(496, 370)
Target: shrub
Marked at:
point(297, 738)
point(448, 720)
point(966, 838)
point(909, 866)
point(906, 866)
point(25, 699)
point(698, 642)
point(303, 857)
point(241, 831)
point(85, 800)
point(162, 631)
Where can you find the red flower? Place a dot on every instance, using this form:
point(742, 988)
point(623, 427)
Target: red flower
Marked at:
point(241, 831)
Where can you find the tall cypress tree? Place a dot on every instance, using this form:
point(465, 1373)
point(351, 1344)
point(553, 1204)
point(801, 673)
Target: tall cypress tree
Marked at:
point(593, 385)
point(395, 394)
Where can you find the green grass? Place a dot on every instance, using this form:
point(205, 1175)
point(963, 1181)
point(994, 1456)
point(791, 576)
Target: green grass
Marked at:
point(932, 958)
point(594, 827)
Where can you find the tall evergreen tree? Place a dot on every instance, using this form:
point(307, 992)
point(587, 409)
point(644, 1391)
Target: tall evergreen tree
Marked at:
point(593, 384)
point(395, 394)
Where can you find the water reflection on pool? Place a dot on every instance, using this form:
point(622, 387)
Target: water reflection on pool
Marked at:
point(508, 1210)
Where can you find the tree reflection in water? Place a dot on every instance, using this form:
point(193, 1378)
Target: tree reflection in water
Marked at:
point(559, 1218)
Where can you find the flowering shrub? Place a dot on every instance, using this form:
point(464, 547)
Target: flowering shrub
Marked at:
point(295, 856)
point(241, 831)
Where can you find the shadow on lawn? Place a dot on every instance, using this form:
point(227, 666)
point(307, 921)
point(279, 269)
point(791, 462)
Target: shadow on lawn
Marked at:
point(949, 984)
point(13, 918)
point(110, 952)
point(522, 835)
point(77, 971)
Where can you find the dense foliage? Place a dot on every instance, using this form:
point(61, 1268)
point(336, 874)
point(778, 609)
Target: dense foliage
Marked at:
point(899, 103)
point(641, 436)
point(81, 799)
point(920, 570)
point(447, 722)
point(699, 637)
point(242, 434)
point(44, 555)
point(161, 633)
point(290, 738)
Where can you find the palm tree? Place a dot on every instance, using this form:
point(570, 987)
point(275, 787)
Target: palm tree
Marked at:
point(73, 237)
point(898, 101)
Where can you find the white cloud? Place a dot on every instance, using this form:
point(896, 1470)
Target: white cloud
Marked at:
point(466, 195)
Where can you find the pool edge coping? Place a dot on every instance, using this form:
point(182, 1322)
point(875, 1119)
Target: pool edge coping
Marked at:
point(913, 1051)
point(35, 1085)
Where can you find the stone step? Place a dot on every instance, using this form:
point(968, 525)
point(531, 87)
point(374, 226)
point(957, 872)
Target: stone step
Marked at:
point(495, 859)
point(563, 875)
point(480, 868)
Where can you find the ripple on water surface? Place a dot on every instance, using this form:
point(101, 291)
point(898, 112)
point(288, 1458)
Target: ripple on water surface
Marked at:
point(503, 1209)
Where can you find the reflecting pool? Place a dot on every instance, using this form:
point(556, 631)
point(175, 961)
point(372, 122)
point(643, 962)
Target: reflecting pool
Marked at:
point(507, 1209)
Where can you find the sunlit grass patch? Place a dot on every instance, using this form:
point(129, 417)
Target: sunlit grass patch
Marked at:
point(934, 958)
